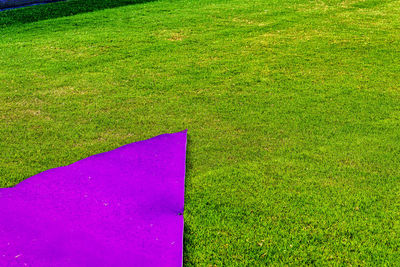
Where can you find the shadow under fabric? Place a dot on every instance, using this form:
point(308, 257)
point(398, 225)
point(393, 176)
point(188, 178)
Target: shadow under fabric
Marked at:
point(119, 208)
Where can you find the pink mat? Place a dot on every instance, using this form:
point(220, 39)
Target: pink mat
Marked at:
point(119, 208)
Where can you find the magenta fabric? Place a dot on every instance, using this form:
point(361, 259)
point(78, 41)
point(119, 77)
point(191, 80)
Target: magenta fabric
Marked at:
point(119, 208)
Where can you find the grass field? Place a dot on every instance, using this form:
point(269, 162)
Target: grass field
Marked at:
point(293, 111)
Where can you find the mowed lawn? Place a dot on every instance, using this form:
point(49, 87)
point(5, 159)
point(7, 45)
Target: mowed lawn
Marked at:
point(293, 111)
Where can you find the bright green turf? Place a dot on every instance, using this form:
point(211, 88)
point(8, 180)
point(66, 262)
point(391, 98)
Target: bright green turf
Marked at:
point(293, 111)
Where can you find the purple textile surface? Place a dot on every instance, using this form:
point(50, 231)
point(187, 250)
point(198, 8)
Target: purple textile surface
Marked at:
point(119, 208)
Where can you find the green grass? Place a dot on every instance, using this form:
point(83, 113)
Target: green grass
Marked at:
point(63, 8)
point(293, 111)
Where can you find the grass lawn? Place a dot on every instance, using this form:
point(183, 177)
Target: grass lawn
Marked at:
point(293, 111)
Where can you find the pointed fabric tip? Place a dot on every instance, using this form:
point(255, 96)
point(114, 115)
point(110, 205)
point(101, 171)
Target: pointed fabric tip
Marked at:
point(119, 208)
